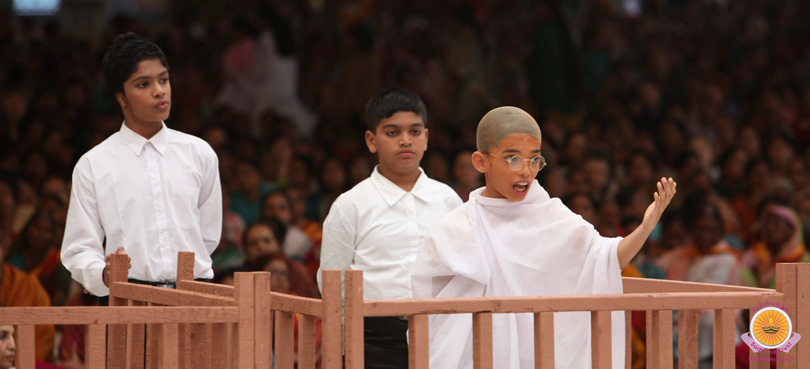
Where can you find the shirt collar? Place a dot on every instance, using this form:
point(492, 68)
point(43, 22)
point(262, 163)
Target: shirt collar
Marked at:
point(391, 193)
point(137, 142)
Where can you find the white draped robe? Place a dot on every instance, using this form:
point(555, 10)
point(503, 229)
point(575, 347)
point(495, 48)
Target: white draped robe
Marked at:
point(498, 247)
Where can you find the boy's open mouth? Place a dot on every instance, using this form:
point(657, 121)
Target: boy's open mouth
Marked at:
point(520, 186)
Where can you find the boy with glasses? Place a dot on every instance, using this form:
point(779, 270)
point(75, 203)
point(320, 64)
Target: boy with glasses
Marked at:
point(512, 239)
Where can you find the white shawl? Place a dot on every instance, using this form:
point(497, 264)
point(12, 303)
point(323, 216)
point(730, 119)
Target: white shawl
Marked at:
point(497, 247)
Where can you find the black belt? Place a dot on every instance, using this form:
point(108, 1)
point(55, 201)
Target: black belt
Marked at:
point(166, 284)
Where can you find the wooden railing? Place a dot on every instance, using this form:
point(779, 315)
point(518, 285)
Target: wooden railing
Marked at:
point(204, 325)
point(657, 298)
point(197, 325)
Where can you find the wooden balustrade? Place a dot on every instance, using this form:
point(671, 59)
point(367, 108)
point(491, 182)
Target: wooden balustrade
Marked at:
point(203, 325)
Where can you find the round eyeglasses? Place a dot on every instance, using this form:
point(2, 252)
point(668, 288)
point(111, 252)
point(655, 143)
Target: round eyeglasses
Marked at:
point(516, 162)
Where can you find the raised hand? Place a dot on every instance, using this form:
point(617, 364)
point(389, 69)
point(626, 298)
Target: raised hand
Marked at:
point(630, 245)
point(666, 191)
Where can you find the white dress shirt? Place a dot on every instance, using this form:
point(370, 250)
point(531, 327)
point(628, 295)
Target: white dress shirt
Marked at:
point(154, 197)
point(377, 227)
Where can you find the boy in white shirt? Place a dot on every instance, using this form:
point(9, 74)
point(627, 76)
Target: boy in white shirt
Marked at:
point(147, 190)
point(512, 239)
point(377, 226)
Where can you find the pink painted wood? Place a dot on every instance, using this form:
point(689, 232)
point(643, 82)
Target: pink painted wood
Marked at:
point(306, 342)
point(418, 342)
point(544, 340)
point(25, 346)
point(95, 346)
point(117, 333)
point(262, 321)
point(803, 314)
point(332, 342)
point(687, 339)
point(218, 346)
point(169, 355)
point(154, 332)
point(601, 355)
point(662, 326)
point(723, 332)
point(628, 339)
point(786, 283)
point(245, 338)
point(284, 341)
point(185, 266)
point(200, 356)
point(136, 335)
point(353, 322)
point(482, 340)
point(652, 338)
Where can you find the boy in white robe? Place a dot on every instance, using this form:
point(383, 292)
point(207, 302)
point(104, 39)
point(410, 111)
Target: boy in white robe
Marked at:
point(512, 239)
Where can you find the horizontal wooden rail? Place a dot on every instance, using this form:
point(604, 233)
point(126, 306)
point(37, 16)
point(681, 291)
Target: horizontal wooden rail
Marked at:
point(296, 304)
point(646, 285)
point(207, 288)
point(166, 296)
point(536, 304)
point(116, 315)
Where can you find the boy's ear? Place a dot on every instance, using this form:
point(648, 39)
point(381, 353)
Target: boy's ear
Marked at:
point(480, 162)
point(372, 147)
point(426, 138)
point(121, 100)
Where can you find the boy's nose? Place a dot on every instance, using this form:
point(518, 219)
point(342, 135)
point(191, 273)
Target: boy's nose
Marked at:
point(405, 142)
point(526, 170)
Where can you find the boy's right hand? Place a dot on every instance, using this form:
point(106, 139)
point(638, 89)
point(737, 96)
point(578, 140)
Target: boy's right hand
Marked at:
point(105, 275)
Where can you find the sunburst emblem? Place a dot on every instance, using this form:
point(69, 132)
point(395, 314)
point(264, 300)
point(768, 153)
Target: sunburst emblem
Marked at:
point(771, 327)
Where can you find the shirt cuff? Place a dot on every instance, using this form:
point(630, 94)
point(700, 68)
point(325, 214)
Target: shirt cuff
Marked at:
point(95, 283)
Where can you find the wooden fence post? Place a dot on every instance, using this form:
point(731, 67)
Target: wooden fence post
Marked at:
point(482, 340)
point(25, 351)
point(802, 322)
point(544, 340)
point(332, 344)
point(263, 321)
point(284, 341)
point(353, 319)
point(418, 341)
point(245, 336)
point(601, 335)
point(723, 332)
point(786, 283)
point(687, 339)
point(306, 341)
point(117, 337)
point(94, 346)
point(185, 272)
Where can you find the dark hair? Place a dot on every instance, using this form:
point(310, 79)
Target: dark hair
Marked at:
point(270, 194)
point(122, 57)
point(11, 181)
point(568, 200)
point(389, 101)
point(697, 206)
point(278, 229)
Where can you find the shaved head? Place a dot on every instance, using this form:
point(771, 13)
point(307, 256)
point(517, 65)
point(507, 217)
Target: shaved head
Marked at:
point(502, 122)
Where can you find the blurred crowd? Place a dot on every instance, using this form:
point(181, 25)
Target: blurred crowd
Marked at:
point(715, 94)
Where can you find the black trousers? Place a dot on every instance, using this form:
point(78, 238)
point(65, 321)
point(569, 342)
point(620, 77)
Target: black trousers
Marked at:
point(386, 345)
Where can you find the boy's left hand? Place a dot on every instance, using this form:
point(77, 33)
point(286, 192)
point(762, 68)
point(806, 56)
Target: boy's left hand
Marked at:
point(666, 191)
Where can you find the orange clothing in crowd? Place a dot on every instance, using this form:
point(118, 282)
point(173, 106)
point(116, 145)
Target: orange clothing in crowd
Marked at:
point(19, 289)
